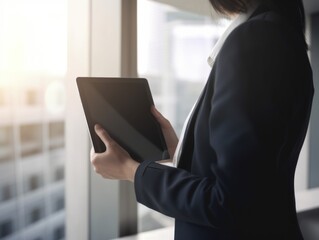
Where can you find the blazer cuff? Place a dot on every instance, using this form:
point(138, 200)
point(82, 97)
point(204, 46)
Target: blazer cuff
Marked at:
point(144, 172)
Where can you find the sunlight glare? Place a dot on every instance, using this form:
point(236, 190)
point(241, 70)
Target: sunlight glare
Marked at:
point(32, 38)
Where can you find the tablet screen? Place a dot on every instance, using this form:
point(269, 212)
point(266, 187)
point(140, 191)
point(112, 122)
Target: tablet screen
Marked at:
point(122, 107)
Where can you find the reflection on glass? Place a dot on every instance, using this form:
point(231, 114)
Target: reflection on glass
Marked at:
point(173, 47)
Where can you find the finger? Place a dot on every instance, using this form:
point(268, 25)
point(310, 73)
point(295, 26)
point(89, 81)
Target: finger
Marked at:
point(156, 112)
point(104, 136)
point(92, 151)
point(160, 118)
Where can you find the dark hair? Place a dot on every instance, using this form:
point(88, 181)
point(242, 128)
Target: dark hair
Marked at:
point(292, 9)
point(230, 6)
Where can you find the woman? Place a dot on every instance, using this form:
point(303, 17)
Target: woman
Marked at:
point(235, 172)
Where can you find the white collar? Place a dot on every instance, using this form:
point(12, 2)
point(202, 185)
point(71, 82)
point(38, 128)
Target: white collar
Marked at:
point(241, 18)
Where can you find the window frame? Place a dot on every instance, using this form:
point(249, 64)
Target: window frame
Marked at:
point(105, 45)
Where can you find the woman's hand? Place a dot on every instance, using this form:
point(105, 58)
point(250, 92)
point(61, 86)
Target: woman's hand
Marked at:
point(115, 162)
point(168, 132)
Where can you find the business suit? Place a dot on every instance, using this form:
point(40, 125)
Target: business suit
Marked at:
point(235, 178)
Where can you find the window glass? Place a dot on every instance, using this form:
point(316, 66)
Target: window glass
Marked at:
point(8, 221)
point(56, 135)
point(6, 228)
point(33, 63)
point(32, 97)
point(59, 233)
point(7, 192)
point(31, 139)
point(6, 143)
point(173, 47)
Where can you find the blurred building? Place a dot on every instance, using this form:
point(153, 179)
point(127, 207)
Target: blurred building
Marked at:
point(32, 155)
point(32, 96)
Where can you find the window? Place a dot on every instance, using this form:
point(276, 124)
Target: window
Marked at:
point(34, 182)
point(35, 215)
point(8, 221)
point(173, 46)
point(59, 203)
point(33, 63)
point(32, 97)
point(57, 169)
point(31, 139)
point(57, 199)
point(59, 173)
point(6, 144)
point(34, 212)
point(59, 233)
point(6, 228)
point(7, 192)
point(56, 135)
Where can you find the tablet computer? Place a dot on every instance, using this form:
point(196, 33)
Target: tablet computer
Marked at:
point(122, 106)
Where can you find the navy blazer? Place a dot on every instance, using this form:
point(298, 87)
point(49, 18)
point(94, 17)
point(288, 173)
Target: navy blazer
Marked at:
point(235, 178)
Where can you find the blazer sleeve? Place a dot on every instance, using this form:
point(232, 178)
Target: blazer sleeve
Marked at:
point(247, 119)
